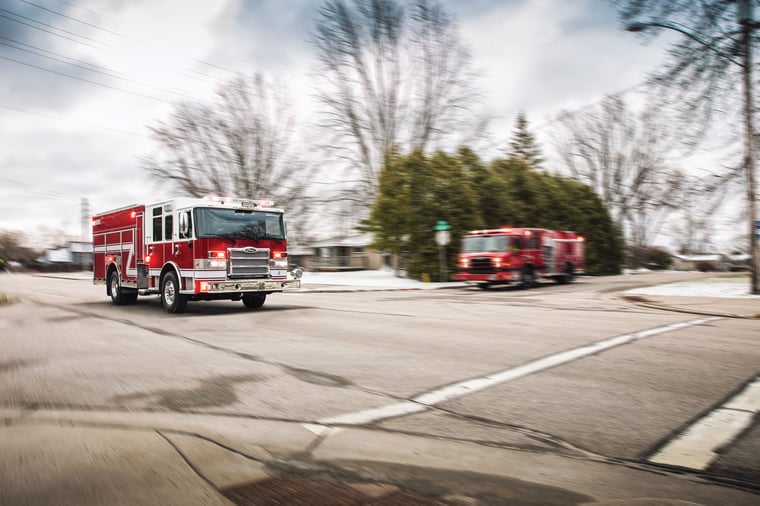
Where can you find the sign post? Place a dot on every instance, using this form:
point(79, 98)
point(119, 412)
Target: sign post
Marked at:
point(442, 238)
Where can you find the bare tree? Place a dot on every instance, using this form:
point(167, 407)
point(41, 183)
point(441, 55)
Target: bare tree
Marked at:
point(243, 144)
point(393, 77)
point(13, 248)
point(703, 72)
point(623, 157)
point(652, 206)
point(710, 70)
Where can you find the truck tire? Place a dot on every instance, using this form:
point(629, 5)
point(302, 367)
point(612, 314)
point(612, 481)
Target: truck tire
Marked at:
point(527, 278)
point(254, 300)
point(568, 275)
point(171, 299)
point(120, 296)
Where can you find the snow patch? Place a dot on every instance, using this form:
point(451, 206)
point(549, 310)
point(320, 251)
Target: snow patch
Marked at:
point(733, 288)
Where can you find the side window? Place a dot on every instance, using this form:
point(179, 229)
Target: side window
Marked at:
point(516, 243)
point(157, 230)
point(168, 226)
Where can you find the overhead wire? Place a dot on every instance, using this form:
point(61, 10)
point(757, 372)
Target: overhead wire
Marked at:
point(91, 42)
point(72, 18)
point(90, 81)
point(65, 120)
point(98, 69)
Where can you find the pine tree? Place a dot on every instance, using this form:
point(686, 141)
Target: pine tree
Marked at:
point(523, 144)
point(416, 190)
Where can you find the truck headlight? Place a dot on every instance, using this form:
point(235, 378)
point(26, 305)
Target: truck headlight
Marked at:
point(211, 264)
point(278, 263)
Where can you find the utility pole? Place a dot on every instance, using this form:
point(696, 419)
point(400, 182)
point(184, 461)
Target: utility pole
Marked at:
point(85, 219)
point(744, 10)
point(747, 25)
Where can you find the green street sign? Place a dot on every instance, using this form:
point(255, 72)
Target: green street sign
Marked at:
point(442, 225)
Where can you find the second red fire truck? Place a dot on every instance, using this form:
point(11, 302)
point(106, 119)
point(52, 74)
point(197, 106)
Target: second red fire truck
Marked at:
point(520, 255)
point(193, 249)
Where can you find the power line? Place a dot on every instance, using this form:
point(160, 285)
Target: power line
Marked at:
point(47, 193)
point(72, 18)
point(84, 80)
point(82, 123)
point(90, 11)
point(13, 41)
point(49, 26)
point(85, 66)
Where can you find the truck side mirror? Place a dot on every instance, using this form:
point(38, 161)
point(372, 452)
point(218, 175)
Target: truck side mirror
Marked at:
point(184, 224)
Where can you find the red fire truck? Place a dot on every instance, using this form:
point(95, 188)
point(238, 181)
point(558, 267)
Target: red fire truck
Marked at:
point(192, 249)
point(521, 255)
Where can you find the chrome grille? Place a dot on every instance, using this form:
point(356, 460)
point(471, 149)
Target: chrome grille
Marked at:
point(249, 262)
point(481, 266)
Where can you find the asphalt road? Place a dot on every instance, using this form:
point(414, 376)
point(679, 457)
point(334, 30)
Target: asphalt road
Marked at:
point(503, 367)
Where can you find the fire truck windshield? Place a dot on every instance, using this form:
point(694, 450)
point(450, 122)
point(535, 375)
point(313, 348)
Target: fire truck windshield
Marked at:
point(485, 244)
point(238, 224)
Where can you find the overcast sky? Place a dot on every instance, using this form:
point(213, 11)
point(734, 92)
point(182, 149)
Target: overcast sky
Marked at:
point(81, 80)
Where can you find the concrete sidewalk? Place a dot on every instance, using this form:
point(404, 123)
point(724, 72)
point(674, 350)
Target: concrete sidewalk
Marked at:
point(88, 458)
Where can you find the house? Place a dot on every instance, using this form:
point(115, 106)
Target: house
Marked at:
point(352, 252)
point(75, 255)
point(713, 262)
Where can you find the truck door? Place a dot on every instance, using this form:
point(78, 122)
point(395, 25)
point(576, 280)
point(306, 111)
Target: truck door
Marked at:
point(182, 242)
point(549, 253)
point(159, 222)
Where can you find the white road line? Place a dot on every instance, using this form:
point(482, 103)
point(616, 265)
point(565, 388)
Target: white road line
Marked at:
point(467, 387)
point(698, 445)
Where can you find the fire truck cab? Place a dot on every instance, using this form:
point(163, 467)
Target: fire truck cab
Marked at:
point(192, 249)
point(519, 255)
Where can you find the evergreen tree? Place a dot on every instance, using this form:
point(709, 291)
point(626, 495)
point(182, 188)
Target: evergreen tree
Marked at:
point(415, 191)
point(523, 144)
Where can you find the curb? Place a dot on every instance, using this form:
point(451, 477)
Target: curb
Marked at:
point(644, 302)
point(349, 289)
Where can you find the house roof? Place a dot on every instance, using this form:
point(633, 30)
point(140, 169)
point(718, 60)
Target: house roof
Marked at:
point(299, 250)
point(351, 241)
point(699, 258)
point(80, 247)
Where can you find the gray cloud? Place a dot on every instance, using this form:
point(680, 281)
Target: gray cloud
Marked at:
point(536, 56)
point(40, 56)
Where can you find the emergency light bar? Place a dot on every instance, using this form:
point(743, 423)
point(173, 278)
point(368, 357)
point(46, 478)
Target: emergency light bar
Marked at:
point(243, 203)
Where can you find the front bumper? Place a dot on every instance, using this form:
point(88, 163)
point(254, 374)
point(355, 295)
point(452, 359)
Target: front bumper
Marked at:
point(247, 285)
point(494, 277)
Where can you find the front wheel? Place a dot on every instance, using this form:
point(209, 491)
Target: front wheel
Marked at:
point(254, 300)
point(527, 279)
point(171, 299)
point(568, 276)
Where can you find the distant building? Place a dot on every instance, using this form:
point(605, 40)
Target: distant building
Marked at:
point(711, 262)
point(351, 252)
point(74, 256)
